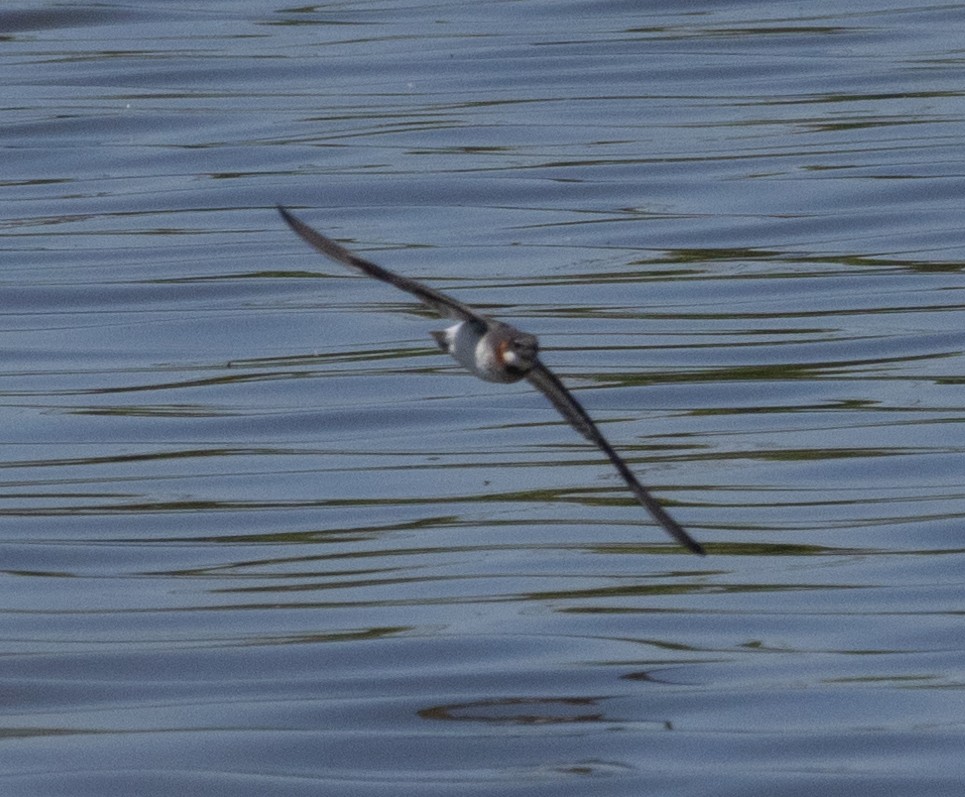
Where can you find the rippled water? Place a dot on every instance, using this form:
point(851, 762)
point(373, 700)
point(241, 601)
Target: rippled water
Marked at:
point(260, 538)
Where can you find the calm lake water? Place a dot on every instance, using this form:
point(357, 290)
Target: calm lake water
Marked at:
point(259, 537)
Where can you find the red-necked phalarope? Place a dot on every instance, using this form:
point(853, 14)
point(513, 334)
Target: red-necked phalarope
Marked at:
point(498, 352)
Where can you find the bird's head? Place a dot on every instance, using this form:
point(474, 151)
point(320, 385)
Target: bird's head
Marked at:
point(518, 351)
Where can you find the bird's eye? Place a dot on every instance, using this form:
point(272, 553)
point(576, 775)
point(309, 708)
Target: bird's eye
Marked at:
point(524, 345)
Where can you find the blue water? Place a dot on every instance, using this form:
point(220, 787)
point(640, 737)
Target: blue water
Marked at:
point(259, 537)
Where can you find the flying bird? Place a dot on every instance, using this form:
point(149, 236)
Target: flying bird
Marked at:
point(498, 352)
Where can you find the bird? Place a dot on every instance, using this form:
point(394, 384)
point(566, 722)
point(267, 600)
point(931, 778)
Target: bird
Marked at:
point(497, 352)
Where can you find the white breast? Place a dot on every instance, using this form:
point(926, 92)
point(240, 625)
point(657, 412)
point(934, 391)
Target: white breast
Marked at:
point(474, 351)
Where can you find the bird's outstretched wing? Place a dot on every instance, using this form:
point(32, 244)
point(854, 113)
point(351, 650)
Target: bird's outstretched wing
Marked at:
point(539, 376)
point(442, 304)
point(549, 384)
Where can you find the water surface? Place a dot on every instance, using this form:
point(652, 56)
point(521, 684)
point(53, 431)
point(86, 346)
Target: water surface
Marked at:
point(259, 537)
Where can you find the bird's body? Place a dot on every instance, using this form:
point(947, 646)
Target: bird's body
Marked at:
point(498, 352)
